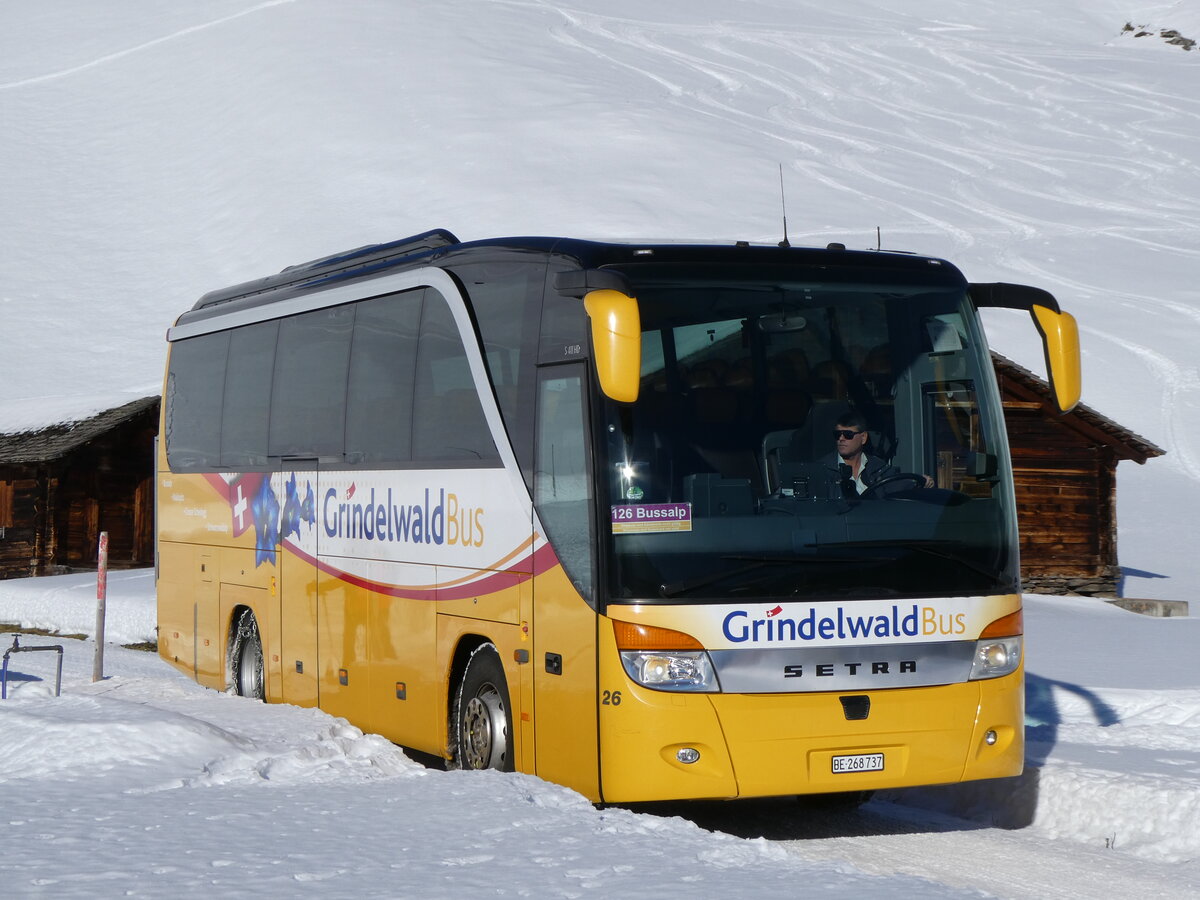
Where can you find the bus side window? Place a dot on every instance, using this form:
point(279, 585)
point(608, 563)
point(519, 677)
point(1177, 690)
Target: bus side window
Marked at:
point(308, 403)
point(247, 408)
point(506, 297)
point(562, 489)
point(195, 387)
point(952, 414)
point(448, 418)
point(379, 401)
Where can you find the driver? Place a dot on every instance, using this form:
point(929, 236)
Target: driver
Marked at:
point(849, 465)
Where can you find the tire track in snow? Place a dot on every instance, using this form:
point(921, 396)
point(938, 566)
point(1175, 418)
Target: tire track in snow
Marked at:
point(1177, 384)
point(781, 88)
point(112, 57)
point(906, 120)
point(1009, 864)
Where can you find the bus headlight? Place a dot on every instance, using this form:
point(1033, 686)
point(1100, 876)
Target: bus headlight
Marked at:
point(995, 657)
point(671, 670)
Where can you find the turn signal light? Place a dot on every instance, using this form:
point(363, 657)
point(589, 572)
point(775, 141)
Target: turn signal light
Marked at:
point(1009, 626)
point(651, 637)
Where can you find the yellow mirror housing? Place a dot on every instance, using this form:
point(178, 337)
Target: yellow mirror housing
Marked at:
point(1060, 339)
point(616, 342)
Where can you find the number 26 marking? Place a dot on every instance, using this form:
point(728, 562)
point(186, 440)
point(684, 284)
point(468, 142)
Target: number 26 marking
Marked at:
point(610, 698)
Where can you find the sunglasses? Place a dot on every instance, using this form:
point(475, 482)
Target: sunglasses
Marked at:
point(847, 434)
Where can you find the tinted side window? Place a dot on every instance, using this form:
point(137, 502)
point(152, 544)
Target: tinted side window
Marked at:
point(506, 298)
point(195, 387)
point(448, 418)
point(562, 490)
point(309, 403)
point(564, 334)
point(247, 406)
point(382, 371)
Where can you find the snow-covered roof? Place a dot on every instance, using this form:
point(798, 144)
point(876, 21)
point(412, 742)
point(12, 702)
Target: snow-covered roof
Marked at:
point(53, 442)
point(1082, 418)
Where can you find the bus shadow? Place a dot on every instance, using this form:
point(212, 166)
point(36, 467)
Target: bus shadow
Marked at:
point(1013, 803)
point(799, 818)
point(1043, 715)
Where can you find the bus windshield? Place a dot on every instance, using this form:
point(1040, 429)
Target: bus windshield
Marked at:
point(724, 479)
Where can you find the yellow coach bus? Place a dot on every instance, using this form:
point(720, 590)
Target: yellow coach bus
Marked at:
point(584, 510)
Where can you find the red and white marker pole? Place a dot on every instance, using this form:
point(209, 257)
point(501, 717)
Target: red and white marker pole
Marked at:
point(101, 597)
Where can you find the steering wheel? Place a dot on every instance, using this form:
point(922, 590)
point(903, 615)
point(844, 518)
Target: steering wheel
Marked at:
point(918, 481)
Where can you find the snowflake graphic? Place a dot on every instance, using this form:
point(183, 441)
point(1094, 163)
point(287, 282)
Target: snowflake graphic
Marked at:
point(296, 511)
point(265, 509)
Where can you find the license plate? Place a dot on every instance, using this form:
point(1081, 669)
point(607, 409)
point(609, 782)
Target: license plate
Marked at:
point(860, 762)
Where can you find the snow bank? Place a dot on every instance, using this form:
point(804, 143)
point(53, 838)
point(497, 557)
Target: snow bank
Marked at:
point(1107, 766)
point(1104, 764)
point(147, 784)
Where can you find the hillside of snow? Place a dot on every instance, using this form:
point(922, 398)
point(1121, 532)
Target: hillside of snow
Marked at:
point(154, 150)
point(151, 151)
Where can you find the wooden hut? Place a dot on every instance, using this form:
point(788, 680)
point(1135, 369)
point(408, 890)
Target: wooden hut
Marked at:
point(63, 485)
point(1065, 469)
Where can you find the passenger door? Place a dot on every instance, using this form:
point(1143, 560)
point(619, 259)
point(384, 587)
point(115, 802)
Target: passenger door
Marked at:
point(564, 624)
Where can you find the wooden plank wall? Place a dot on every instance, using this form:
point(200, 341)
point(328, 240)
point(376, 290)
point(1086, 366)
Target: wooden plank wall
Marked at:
point(59, 508)
point(108, 486)
point(1065, 491)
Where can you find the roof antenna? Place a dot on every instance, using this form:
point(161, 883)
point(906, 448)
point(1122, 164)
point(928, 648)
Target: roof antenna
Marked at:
point(878, 238)
point(783, 201)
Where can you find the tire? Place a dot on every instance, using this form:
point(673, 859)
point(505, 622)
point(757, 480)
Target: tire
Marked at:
point(246, 659)
point(482, 722)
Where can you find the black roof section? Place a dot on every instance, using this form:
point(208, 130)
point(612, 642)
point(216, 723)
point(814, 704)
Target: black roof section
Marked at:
point(352, 263)
point(440, 247)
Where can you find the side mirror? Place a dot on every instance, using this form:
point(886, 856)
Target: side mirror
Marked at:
point(1060, 339)
point(616, 342)
point(1060, 334)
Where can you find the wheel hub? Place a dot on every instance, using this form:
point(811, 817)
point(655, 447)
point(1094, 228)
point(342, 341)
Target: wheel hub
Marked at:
point(483, 727)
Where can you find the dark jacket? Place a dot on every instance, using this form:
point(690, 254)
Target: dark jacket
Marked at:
point(875, 470)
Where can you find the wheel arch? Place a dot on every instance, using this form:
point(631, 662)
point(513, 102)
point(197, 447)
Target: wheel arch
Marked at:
point(466, 647)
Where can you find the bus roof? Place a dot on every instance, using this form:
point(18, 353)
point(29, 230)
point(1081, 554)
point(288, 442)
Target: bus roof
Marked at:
point(440, 247)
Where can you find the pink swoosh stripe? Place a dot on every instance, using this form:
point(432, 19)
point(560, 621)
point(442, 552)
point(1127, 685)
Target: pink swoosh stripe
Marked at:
point(527, 567)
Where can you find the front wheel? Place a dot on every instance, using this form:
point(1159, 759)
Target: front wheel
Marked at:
point(482, 725)
point(246, 659)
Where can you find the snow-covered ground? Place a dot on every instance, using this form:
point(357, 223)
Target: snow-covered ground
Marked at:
point(146, 784)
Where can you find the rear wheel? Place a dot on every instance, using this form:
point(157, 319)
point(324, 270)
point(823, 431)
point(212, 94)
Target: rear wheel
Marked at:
point(482, 725)
point(246, 659)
